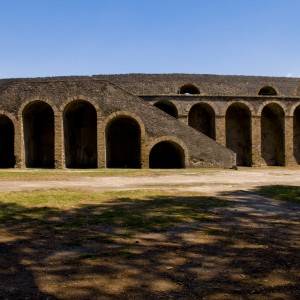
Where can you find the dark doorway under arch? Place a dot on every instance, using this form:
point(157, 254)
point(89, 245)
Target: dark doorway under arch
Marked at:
point(80, 132)
point(123, 143)
point(7, 137)
point(38, 123)
point(267, 91)
point(168, 107)
point(166, 155)
point(238, 133)
point(296, 138)
point(189, 89)
point(202, 118)
point(272, 135)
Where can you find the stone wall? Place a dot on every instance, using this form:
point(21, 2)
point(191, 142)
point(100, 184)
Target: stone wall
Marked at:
point(271, 117)
point(255, 105)
point(208, 85)
point(110, 102)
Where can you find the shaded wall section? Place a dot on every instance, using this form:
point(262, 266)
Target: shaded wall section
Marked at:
point(7, 134)
point(202, 118)
point(272, 135)
point(80, 132)
point(166, 155)
point(238, 133)
point(38, 124)
point(296, 137)
point(123, 143)
point(168, 107)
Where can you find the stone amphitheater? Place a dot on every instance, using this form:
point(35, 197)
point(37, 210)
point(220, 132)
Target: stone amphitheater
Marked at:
point(149, 121)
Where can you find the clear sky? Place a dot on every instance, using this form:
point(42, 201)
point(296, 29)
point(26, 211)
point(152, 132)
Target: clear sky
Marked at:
point(84, 37)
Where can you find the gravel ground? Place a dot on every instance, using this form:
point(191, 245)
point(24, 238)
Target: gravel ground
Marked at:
point(210, 181)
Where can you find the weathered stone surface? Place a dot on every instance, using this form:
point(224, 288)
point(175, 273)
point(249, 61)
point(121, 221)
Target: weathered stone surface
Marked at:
point(134, 96)
point(109, 102)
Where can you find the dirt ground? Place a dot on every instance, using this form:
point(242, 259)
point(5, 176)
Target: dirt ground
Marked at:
point(246, 249)
point(207, 181)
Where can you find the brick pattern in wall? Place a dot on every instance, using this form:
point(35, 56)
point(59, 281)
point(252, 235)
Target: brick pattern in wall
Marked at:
point(261, 129)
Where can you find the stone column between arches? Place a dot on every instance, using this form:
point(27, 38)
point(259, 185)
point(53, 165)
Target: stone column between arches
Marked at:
point(19, 146)
point(59, 153)
point(221, 129)
point(101, 142)
point(183, 119)
point(289, 141)
point(256, 141)
point(144, 153)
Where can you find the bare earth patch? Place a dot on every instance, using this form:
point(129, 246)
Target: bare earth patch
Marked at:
point(188, 234)
point(194, 180)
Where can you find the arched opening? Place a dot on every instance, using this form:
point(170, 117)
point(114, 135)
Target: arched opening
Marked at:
point(238, 133)
point(202, 118)
point(189, 89)
point(7, 137)
point(166, 155)
point(272, 135)
point(123, 143)
point(168, 107)
point(80, 132)
point(297, 134)
point(38, 124)
point(267, 91)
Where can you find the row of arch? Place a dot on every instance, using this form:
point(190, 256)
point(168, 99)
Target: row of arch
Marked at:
point(190, 89)
point(122, 135)
point(238, 129)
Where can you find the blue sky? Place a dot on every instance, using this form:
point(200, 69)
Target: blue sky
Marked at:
point(83, 37)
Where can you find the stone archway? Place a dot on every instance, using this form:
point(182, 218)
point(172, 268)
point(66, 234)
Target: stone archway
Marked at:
point(123, 143)
point(38, 126)
point(189, 89)
point(167, 155)
point(80, 134)
point(202, 118)
point(272, 135)
point(7, 137)
point(238, 132)
point(267, 91)
point(168, 107)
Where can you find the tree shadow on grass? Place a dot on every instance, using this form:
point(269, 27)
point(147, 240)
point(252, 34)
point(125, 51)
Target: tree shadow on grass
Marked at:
point(288, 193)
point(157, 247)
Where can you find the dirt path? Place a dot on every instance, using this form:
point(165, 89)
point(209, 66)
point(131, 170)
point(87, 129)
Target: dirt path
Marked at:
point(207, 182)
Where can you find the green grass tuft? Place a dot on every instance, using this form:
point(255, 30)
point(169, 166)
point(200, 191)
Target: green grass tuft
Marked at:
point(281, 192)
point(129, 211)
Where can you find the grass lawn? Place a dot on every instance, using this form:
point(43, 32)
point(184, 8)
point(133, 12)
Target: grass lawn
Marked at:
point(146, 244)
point(132, 210)
point(281, 192)
point(73, 241)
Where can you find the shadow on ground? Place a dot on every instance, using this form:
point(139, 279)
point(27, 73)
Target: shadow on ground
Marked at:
point(238, 245)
